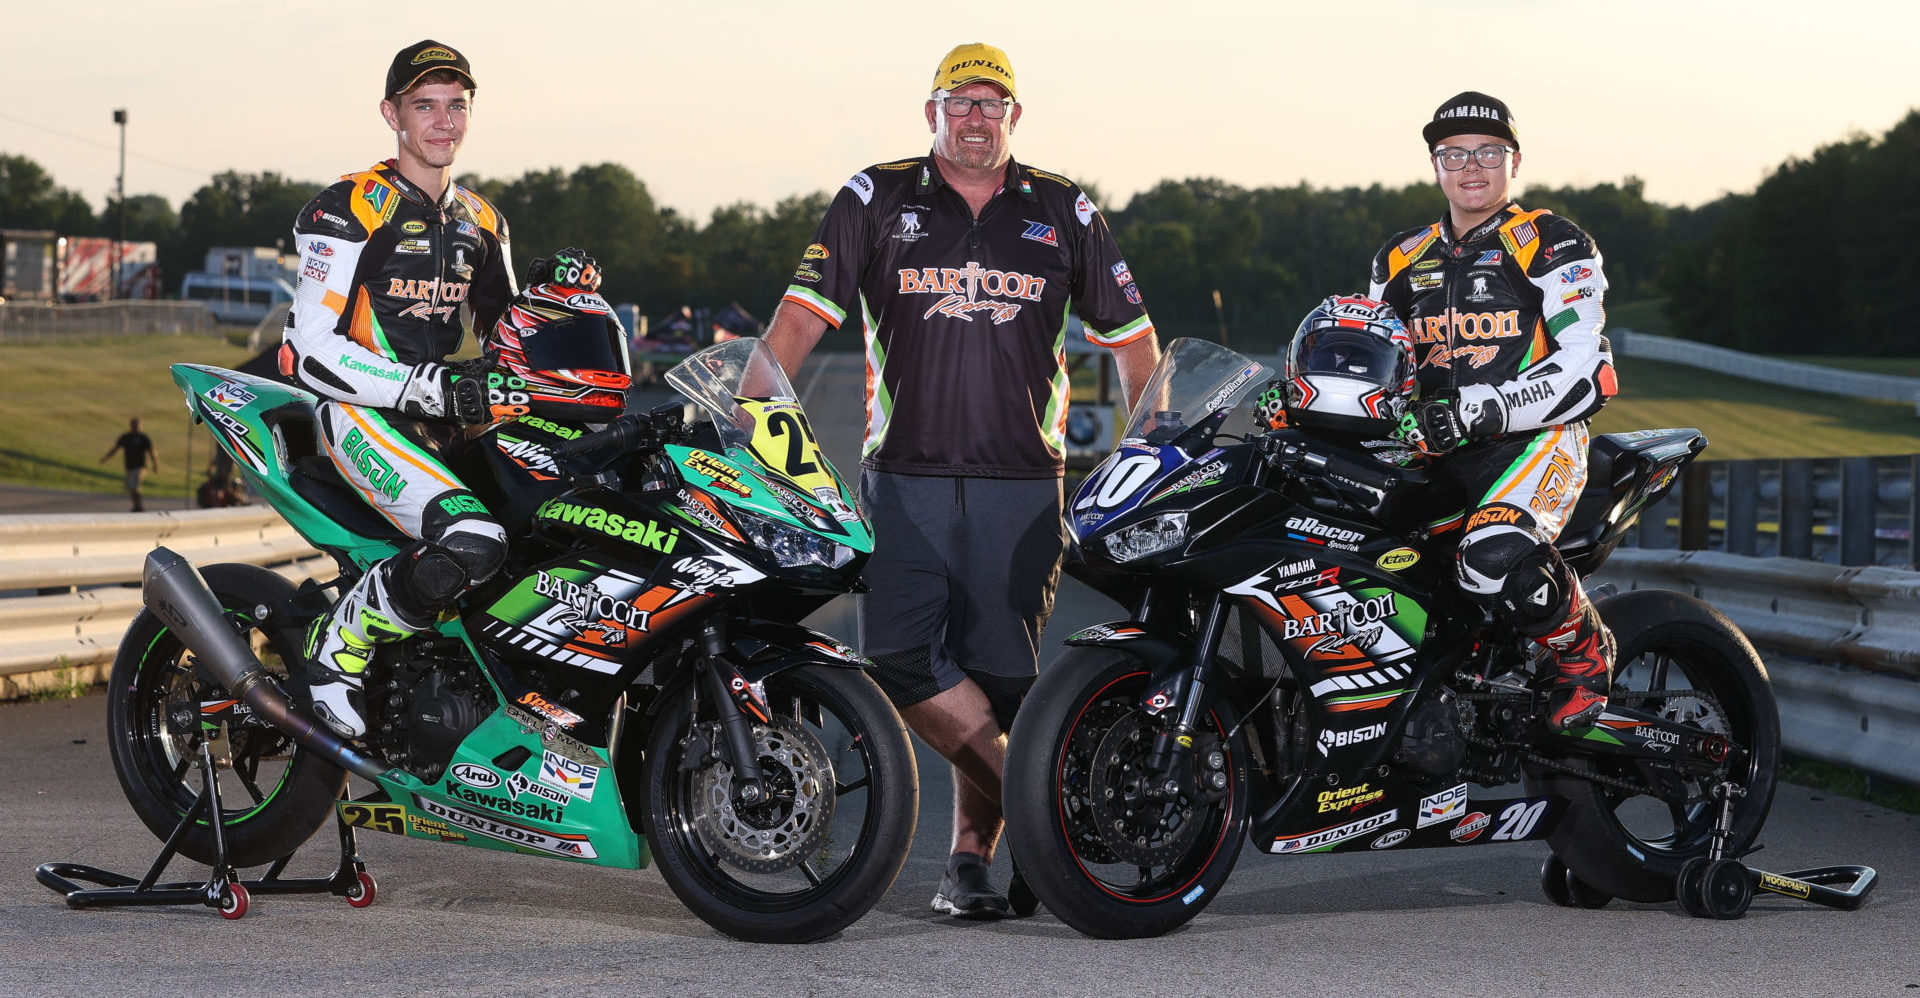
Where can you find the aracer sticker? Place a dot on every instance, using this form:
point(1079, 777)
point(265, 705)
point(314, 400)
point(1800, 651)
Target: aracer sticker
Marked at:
point(476, 776)
point(1335, 834)
point(569, 777)
point(1313, 527)
point(575, 846)
point(1443, 806)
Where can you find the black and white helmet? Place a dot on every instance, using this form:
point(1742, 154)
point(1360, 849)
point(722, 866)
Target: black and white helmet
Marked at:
point(1350, 367)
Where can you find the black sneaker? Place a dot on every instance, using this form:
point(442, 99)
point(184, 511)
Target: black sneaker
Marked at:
point(966, 893)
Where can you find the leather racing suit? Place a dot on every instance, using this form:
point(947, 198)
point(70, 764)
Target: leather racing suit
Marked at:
point(384, 270)
point(1507, 319)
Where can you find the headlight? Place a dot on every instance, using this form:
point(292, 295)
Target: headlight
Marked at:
point(1148, 537)
point(790, 546)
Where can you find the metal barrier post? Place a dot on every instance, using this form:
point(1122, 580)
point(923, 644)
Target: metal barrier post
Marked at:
point(1796, 508)
point(1858, 496)
point(1743, 506)
point(1696, 507)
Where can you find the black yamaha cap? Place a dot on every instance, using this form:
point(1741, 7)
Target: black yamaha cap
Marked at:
point(421, 58)
point(1471, 113)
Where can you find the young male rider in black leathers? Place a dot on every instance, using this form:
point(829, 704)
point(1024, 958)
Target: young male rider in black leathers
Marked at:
point(1504, 308)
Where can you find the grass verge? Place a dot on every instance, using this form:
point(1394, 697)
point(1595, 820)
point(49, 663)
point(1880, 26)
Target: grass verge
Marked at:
point(66, 403)
point(1845, 781)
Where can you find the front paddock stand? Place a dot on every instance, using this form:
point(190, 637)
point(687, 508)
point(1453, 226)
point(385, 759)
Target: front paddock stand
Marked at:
point(1715, 886)
point(223, 889)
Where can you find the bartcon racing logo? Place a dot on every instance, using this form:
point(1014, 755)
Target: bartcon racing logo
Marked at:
point(961, 290)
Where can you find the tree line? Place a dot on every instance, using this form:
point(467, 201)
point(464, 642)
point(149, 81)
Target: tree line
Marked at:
point(1808, 262)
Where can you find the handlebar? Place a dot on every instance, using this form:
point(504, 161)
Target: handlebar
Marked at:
point(633, 431)
point(1290, 454)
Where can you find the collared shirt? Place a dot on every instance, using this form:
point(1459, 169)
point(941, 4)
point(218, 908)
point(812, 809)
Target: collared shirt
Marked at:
point(384, 270)
point(964, 318)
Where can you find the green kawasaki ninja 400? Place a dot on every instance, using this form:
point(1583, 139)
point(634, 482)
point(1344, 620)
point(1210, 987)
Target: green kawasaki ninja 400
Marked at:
point(633, 684)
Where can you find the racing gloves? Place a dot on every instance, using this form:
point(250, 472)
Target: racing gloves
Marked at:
point(571, 267)
point(1446, 422)
point(452, 394)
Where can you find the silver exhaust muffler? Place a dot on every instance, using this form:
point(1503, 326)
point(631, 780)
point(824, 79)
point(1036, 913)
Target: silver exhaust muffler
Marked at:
point(173, 589)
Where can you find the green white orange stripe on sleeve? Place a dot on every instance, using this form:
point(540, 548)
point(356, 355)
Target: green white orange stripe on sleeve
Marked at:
point(810, 300)
point(1126, 334)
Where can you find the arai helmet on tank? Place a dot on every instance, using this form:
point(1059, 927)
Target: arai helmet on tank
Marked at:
point(1350, 367)
point(561, 338)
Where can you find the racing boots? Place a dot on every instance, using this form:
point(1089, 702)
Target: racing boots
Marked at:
point(1585, 650)
point(341, 644)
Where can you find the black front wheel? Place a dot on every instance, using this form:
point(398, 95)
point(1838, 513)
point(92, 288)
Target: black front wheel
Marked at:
point(1682, 659)
point(276, 794)
point(834, 832)
point(1109, 853)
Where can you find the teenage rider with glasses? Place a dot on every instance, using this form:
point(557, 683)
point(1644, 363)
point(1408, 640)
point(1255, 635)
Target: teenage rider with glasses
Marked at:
point(1504, 307)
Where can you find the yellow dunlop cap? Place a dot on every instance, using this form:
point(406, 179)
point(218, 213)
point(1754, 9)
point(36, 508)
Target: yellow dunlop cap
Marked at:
point(975, 62)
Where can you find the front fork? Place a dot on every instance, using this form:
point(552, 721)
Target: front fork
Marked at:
point(1170, 760)
point(737, 704)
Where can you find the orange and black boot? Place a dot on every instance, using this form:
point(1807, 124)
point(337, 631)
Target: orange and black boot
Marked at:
point(1585, 651)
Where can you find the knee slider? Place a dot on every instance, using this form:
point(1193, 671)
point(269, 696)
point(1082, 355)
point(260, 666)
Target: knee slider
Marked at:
point(427, 578)
point(1004, 695)
point(479, 555)
point(1516, 576)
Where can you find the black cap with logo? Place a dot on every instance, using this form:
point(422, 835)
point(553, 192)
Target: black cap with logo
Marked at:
point(421, 58)
point(1470, 113)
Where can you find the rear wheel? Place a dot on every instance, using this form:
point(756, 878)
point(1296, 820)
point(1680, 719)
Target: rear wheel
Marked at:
point(833, 836)
point(275, 796)
point(1682, 659)
point(1107, 855)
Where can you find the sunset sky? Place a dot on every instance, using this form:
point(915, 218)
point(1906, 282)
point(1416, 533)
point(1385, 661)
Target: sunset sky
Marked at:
point(718, 102)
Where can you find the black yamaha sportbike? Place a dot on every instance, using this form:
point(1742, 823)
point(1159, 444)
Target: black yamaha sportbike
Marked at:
point(1300, 671)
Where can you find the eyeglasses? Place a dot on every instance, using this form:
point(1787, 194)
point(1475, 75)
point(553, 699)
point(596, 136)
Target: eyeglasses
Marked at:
point(960, 107)
point(1455, 158)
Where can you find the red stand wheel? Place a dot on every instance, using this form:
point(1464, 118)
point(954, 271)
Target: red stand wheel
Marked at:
point(363, 893)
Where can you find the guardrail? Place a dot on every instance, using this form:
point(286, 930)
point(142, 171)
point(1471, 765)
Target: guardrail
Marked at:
point(75, 581)
point(37, 322)
point(1752, 367)
point(1854, 700)
point(1842, 645)
point(1843, 510)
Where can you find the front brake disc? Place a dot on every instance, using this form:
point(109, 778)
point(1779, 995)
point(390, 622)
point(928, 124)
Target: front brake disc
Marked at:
point(783, 832)
point(1139, 825)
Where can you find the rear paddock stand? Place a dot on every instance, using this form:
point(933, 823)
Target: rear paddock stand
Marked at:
point(223, 890)
point(1717, 886)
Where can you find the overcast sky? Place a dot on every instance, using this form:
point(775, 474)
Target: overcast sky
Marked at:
point(715, 102)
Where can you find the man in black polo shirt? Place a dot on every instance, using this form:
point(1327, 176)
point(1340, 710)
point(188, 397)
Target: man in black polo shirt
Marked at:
point(959, 267)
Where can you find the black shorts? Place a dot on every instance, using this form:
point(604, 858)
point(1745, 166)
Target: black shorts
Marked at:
point(963, 576)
